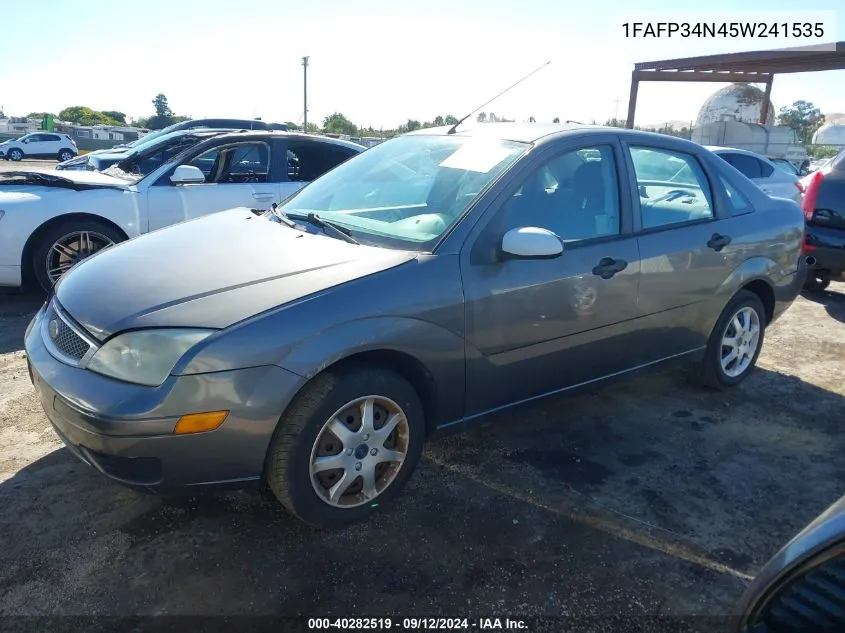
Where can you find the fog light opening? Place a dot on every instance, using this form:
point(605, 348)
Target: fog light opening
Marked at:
point(199, 422)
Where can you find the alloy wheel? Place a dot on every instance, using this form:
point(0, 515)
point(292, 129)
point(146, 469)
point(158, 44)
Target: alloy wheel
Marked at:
point(740, 342)
point(71, 249)
point(359, 451)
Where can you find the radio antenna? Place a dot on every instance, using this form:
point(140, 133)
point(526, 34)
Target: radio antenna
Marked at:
point(536, 70)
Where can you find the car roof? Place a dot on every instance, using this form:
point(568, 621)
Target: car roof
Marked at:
point(266, 134)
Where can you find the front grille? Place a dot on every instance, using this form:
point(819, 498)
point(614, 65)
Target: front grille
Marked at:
point(813, 601)
point(62, 338)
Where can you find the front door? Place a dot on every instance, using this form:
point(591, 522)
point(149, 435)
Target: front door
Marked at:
point(37, 145)
point(236, 175)
point(541, 325)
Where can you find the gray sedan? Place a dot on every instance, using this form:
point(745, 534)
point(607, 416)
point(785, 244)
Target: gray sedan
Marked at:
point(430, 281)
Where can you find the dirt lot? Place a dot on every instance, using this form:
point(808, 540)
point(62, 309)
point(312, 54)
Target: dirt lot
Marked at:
point(649, 497)
point(8, 165)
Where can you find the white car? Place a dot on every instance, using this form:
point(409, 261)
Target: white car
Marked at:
point(762, 172)
point(60, 147)
point(50, 219)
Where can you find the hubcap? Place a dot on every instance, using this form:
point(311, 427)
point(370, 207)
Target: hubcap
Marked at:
point(72, 249)
point(359, 451)
point(740, 341)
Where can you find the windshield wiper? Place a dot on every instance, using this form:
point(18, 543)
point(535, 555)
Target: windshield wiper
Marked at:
point(330, 227)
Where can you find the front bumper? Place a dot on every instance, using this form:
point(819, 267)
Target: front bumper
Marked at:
point(126, 431)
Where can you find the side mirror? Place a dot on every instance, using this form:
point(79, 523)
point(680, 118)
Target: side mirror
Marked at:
point(187, 174)
point(531, 242)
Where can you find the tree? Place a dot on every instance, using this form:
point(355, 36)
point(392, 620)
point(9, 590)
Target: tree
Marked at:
point(614, 122)
point(450, 120)
point(482, 117)
point(114, 115)
point(291, 125)
point(803, 117)
point(39, 115)
point(556, 120)
point(161, 106)
point(531, 119)
point(412, 125)
point(82, 115)
point(336, 123)
point(312, 128)
point(438, 121)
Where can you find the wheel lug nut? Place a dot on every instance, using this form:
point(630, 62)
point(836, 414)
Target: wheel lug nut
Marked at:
point(348, 451)
point(366, 436)
point(374, 451)
point(358, 466)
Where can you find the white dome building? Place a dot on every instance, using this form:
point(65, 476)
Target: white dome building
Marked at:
point(830, 134)
point(741, 102)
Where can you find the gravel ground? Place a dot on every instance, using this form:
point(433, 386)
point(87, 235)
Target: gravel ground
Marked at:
point(650, 497)
point(8, 165)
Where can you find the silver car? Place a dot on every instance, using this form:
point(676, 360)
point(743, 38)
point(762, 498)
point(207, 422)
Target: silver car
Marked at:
point(422, 285)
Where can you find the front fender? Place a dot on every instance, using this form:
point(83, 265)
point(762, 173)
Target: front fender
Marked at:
point(440, 351)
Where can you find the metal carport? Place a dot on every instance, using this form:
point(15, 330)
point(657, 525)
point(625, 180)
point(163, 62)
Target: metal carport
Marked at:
point(750, 67)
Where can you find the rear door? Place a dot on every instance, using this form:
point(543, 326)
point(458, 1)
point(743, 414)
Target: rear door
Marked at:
point(51, 145)
point(237, 174)
point(687, 240)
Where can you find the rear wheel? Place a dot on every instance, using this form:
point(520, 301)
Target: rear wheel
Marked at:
point(67, 243)
point(15, 154)
point(347, 444)
point(735, 342)
point(64, 155)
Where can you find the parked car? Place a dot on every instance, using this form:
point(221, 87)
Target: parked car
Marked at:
point(802, 588)
point(317, 345)
point(39, 145)
point(824, 210)
point(784, 165)
point(53, 219)
point(762, 172)
point(86, 160)
point(818, 164)
point(144, 157)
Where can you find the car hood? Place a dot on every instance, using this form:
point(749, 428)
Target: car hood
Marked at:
point(69, 179)
point(211, 272)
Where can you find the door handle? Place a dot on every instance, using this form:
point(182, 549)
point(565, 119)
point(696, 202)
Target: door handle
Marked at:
point(607, 267)
point(718, 242)
point(262, 196)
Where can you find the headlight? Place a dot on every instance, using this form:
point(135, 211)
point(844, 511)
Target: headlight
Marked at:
point(145, 357)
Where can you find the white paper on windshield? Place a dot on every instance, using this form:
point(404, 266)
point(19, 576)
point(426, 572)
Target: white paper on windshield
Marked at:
point(480, 157)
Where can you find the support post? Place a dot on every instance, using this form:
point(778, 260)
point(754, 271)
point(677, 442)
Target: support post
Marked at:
point(764, 111)
point(305, 94)
point(632, 100)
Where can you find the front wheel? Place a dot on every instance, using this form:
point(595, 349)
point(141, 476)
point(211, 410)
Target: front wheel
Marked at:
point(735, 342)
point(15, 154)
point(67, 243)
point(347, 444)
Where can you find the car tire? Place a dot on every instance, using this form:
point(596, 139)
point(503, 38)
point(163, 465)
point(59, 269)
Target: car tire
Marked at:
point(712, 371)
point(327, 497)
point(14, 154)
point(99, 236)
point(64, 155)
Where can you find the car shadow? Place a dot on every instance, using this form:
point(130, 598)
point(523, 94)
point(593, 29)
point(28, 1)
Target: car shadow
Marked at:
point(833, 302)
point(707, 467)
point(16, 311)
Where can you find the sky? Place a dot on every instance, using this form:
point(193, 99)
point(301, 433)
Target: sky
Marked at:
point(380, 62)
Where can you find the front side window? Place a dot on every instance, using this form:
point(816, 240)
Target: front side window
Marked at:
point(407, 192)
point(575, 195)
point(672, 186)
point(242, 163)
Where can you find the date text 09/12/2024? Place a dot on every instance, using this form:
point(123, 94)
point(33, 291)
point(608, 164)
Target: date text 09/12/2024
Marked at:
point(415, 624)
point(799, 30)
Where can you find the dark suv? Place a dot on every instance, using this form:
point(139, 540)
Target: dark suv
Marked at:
point(824, 211)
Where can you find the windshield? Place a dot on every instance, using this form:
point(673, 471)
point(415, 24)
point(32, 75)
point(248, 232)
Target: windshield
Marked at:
point(405, 193)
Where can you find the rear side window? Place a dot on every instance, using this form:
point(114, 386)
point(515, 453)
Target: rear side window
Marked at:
point(672, 186)
point(308, 160)
point(838, 162)
point(737, 202)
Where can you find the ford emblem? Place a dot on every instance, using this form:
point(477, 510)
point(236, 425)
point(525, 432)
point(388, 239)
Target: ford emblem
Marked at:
point(53, 328)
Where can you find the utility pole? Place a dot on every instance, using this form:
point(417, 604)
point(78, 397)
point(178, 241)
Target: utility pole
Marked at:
point(305, 94)
point(616, 111)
